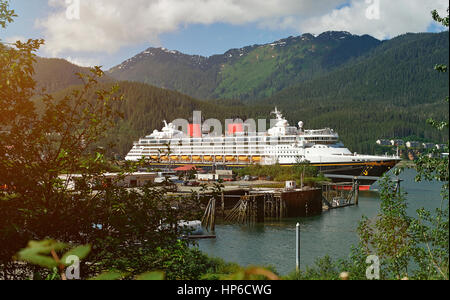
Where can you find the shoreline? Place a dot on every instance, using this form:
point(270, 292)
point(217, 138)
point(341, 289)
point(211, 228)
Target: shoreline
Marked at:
point(407, 164)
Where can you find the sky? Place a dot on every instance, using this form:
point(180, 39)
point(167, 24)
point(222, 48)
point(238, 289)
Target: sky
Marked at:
point(107, 32)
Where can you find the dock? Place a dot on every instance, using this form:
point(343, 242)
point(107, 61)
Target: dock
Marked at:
point(248, 206)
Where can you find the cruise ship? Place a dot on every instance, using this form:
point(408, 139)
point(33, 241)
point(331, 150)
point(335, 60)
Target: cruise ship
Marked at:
point(282, 144)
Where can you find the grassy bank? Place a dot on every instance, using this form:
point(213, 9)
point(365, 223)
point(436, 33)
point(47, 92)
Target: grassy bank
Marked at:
point(310, 175)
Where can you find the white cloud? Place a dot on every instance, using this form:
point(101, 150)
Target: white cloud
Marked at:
point(108, 25)
point(14, 39)
point(82, 61)
point(391, 19)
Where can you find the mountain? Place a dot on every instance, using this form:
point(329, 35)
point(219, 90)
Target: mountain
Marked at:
point(256, 71)
point(399, 71)
point(54, 74)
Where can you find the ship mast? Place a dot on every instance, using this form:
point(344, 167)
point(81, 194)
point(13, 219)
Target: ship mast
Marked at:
point(278, 114)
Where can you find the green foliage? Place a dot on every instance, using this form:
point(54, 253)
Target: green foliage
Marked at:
point(443, 20)
point(40, 253)
point(431, 229)
point(323, 269)
point(80, 251)
point(175, 263)
point(281, 173)
point(151, 276)
point(108, 276)
point(6, 15)
point(388, 235)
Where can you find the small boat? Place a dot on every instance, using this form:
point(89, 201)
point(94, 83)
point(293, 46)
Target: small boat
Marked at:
point(186, 227)
point(191, 227)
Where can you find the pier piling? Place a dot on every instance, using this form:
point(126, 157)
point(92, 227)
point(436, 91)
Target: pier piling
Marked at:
point(356, 187)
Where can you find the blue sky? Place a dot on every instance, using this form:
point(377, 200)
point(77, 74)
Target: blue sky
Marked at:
point(197, 28)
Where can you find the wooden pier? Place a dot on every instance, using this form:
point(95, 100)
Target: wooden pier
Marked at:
point(250, 206)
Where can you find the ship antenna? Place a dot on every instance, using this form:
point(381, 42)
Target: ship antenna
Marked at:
point(277, 113)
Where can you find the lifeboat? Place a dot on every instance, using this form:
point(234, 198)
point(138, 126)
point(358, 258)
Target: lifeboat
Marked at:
point(174, 157)
point(196, 158)
point(164, 158)
point(219, 157)
point(230, 158)
point(154, 157)
point(256, 158)
point(185, 158)
point(207, 158)
point(243, 158)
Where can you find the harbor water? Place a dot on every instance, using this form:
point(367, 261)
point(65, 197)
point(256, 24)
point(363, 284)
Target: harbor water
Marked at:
point(332, 233)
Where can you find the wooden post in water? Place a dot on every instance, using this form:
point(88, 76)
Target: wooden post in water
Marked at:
point(297, 248)
point(277, 205)
point(223, 205)
point(260, 200)
point(206, 215)
point(213, 217)
point(328, 192)
point(281, 208)
point(356, 192)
